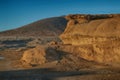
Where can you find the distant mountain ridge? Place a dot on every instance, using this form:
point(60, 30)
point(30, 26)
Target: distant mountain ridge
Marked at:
point(46, 27)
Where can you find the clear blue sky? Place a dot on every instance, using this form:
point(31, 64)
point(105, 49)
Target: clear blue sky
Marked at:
point(16, 13)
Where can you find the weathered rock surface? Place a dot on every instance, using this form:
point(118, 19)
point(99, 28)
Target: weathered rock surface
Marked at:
point(40, 55)
point(93, 37)
point(34, 56)
point(100, 28)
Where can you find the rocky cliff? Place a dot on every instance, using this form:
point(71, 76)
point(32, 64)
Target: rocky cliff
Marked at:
point(93, 37)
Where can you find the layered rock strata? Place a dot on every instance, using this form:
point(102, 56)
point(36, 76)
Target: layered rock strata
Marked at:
point(94, 37)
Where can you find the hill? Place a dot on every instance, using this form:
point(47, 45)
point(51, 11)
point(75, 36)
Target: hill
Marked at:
point(46, 27)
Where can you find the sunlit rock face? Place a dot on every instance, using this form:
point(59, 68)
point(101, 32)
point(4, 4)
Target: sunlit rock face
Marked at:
point(94, 37)
point(89, 28)
point(34, 56)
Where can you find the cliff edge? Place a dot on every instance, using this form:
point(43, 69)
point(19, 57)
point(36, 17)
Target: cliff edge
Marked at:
point(93, 37)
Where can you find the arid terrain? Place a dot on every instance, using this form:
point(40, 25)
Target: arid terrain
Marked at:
point(72, 47)
point(46, 27)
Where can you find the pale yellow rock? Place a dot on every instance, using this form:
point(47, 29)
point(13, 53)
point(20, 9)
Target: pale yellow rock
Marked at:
point(96, 39)
point(34, 56)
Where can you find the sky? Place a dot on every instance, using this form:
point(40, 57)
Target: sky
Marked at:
point(16, 13)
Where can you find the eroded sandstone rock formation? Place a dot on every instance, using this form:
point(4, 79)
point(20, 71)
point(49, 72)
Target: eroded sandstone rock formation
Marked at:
point(101, 27)
point(94, 37)
point(39, 55)
point(34, 56)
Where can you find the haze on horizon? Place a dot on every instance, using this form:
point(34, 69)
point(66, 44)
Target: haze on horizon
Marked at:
point(16, 13)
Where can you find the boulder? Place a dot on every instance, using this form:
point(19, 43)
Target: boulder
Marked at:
point(34, 56)
point(52, 43)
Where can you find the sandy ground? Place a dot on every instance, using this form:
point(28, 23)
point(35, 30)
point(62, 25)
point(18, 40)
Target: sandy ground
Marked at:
point(49, 71)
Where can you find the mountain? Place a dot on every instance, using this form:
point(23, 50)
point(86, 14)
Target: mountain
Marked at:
point(46, 27)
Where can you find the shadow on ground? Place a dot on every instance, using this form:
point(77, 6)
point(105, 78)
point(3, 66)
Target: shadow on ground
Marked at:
point(39, 74)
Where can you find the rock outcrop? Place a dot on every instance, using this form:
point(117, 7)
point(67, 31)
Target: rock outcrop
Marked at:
point(93, 37)
point(34, 56)
point(108, 26)
point(40, 55)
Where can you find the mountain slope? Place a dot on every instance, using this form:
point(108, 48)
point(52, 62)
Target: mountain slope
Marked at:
point(46, 27)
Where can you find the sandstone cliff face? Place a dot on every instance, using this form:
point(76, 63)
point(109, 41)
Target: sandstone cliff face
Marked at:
point(102, 53)
point(94, 37)
point(102, 25)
